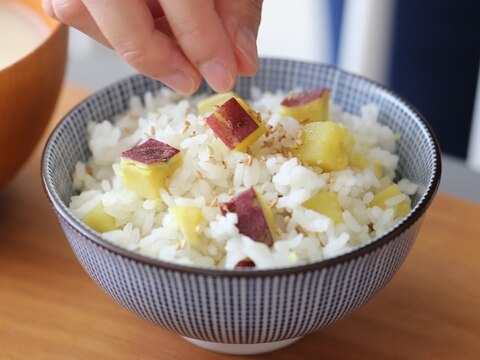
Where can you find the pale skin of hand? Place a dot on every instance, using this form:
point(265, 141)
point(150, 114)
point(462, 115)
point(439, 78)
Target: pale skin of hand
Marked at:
point(175, 41)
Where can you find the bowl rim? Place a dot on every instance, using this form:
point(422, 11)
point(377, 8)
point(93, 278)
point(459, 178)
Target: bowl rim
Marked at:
point(414, 215)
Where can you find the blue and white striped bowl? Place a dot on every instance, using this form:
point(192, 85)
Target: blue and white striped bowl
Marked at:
point(238, 311)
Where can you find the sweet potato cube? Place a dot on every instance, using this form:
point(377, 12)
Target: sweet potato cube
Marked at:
point(307, 106)
point(99, 220)
point(401, 209)
point(211, 103)
point(359, 161)
point(188, 217)
point(236, 124)
point(245, 263)
point(255, 217)
point(326, 203)
point(326, 144)
point(145, 168)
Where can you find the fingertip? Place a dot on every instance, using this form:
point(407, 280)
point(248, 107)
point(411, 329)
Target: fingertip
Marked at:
point(182, 82)
point(246, 52)
point(218, 75)
point(48, 8)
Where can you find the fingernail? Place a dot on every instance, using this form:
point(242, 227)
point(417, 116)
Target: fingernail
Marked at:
point(247, 45)
point(217, 75)
point(180, 81)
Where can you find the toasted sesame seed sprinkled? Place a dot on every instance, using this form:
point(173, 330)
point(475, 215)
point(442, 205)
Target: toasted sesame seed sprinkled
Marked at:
point(273, 203)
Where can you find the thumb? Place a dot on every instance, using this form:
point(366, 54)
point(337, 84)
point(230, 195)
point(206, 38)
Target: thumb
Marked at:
point(241, 20)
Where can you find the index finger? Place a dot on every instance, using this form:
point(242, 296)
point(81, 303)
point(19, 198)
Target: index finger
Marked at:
point(203, 39)
point(130, 29)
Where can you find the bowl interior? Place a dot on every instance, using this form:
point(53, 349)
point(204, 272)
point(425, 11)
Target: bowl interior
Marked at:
point(417, 147)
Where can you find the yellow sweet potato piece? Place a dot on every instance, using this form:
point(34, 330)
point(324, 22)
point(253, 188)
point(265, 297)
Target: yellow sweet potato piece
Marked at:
point(326, 144)
point(359, 161)
point(188, 218)
point(401, 209)
point(326, 203)
point(307, 106)
point(147, 180)
point(99, 220)
point(268, 214)
point(236, 124)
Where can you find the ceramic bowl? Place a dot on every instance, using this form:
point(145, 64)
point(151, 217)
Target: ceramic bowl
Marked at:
point(235, 311)
point(29, 90)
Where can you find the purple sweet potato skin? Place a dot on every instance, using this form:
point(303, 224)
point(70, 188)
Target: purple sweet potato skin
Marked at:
point(303, 97)
point(251, 220)
point(245, 263)
point(150, 152)
point(237, 126)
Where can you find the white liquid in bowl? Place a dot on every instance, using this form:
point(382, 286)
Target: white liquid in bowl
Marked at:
point(21, 31)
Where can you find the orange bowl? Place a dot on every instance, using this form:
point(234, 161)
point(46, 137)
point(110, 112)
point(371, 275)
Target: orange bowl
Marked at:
point(29, 90)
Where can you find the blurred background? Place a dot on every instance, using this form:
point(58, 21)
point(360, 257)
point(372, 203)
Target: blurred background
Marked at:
point(428, 51)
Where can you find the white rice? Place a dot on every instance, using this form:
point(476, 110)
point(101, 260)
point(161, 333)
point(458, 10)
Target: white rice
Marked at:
point(212, 171)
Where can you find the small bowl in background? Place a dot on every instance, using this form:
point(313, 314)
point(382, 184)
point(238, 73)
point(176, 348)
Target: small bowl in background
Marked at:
point(29, 90)
point(235, 311)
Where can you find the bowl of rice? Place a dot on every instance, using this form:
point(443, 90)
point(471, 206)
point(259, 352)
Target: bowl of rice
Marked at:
point(241, 221)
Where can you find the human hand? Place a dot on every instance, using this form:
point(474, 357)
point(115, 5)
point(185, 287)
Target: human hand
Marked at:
point(177, 42)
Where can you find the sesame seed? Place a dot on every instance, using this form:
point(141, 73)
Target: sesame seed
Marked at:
point(249, 160)
point(273, 203)
point(286, 219)
point(231, 192)
point(214, 202)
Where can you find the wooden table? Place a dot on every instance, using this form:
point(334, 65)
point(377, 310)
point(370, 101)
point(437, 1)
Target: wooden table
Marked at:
point(50, 309)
